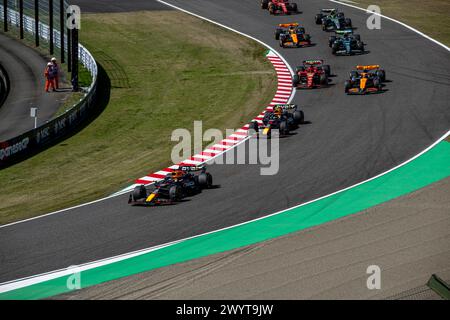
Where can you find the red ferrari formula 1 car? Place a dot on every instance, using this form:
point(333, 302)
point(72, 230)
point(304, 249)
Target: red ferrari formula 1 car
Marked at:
point(312, 74)
point(279, 6)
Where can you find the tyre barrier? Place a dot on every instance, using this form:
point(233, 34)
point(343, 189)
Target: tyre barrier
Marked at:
point(34, 141)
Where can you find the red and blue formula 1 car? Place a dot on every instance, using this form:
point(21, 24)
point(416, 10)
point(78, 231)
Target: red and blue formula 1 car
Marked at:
point(284, 117)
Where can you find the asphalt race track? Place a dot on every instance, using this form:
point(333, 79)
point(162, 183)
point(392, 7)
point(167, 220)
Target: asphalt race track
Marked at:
point(349, 139)
point(25, 68)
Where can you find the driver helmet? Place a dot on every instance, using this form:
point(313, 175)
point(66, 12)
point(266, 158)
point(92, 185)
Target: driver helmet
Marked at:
point(177, 174)
point(277, 111)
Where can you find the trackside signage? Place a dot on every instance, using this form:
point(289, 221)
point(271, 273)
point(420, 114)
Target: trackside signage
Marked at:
point(36, 140)
point(9, 151)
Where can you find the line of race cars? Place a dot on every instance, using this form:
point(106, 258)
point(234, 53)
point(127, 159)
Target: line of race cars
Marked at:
point(313, 73)
point(187, 181)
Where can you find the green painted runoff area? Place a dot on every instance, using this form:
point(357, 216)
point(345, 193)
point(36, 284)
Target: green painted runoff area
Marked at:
point(430, 167)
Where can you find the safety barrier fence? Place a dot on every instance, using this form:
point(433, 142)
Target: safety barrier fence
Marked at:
point(36, 140)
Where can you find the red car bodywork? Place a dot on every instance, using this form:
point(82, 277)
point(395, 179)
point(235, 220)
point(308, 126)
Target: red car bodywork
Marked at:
point(311, 75)
point(279, 6)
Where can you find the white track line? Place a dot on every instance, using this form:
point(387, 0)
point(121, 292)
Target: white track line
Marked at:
point(48, 276)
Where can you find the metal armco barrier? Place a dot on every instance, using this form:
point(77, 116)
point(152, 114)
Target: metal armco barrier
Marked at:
point(36, 140)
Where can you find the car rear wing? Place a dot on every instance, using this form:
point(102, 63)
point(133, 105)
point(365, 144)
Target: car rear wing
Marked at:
point(191, 168)
point(370, 67)
point(286, 106)
point(313, 62)
point(287, 25)
point(346, 31)
point(328, 10)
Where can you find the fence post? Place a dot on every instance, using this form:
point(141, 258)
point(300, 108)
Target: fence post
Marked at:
point(50, 24)
point(21, 18)
point(5, 15)
point(69, 48)
point(36, 22)
point(61, 29)
point(75, 59)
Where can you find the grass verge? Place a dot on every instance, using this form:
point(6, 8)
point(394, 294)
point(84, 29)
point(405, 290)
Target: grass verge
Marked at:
point(167, 69)
point(431, 16)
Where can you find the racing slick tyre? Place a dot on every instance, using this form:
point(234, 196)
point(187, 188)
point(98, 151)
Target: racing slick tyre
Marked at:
point(281, 43)
point(174, 193)
point(382, 75)
point(348, 22)
point(377, 84)
point(318, 18)
point(295, 80)
point(293, 8)
point(299, 69)
point(271, 8)
point(264, 4)
point(139, 192)
point(348, 86)
point(254, 126)
point(353, 74)
point(334, 48)
point(331, 41)
point(323, 79)
point(284, 130)
point(205, 180)
point(277, 34)
point(299, 117)
point(357, 37)
point(360, 46)
point(327, 70)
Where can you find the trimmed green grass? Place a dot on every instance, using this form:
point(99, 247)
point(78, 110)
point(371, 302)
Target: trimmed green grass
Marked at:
point(431, 17)
point(167, 69)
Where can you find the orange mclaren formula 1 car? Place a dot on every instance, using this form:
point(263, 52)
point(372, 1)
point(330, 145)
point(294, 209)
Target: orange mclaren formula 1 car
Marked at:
point(365, 79)
point(279, 6)
point(292, 35)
